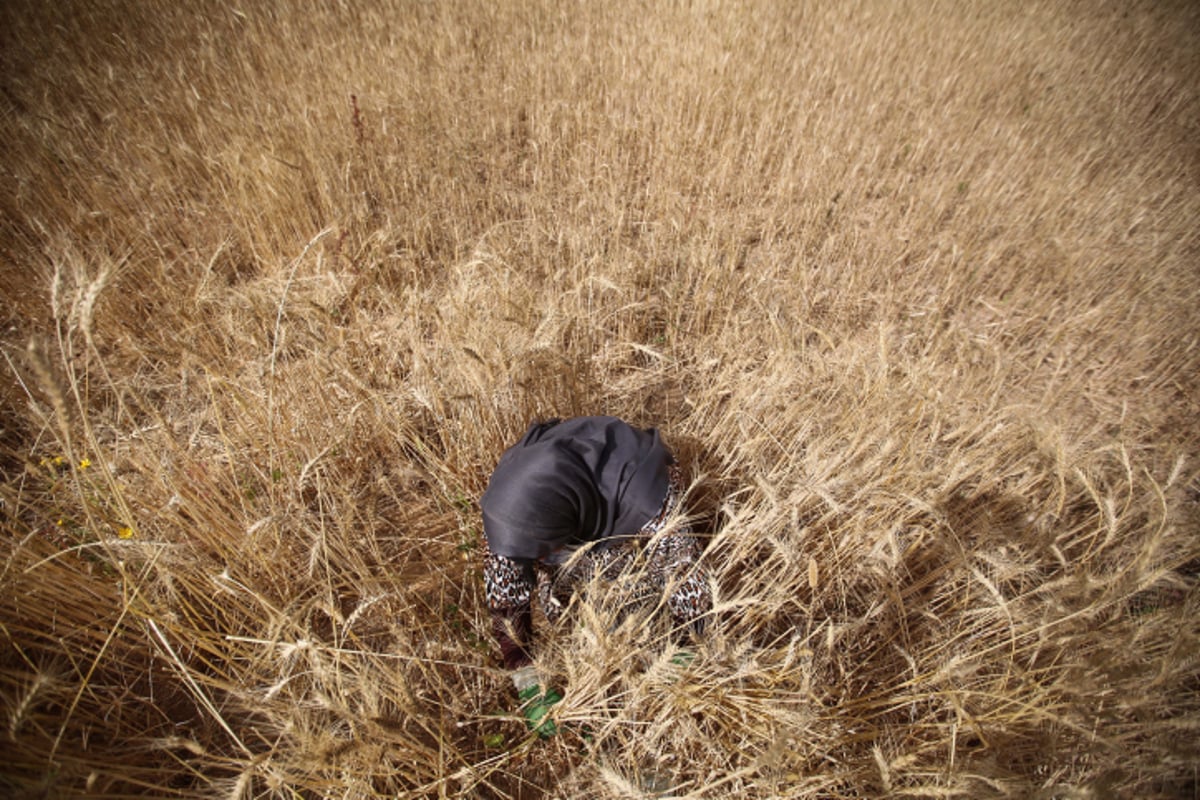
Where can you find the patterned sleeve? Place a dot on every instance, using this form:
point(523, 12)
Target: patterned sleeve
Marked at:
point(691, 601)
point(675, 563)
point(509, 584)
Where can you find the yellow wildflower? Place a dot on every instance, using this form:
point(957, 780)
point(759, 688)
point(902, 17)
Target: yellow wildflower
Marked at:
point(125, 532)
point(85, 463)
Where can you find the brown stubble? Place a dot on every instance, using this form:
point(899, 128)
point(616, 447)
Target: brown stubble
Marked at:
point(912, 291)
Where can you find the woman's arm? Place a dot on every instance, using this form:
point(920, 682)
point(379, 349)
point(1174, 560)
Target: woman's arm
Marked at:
point(675, 563)
point(508, 584)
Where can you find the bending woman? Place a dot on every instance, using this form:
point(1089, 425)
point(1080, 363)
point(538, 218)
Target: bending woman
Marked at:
point(587, 481)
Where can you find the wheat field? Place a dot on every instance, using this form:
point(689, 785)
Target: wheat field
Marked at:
point(911, 288)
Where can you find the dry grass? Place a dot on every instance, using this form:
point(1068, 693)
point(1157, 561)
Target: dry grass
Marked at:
point(913, 292)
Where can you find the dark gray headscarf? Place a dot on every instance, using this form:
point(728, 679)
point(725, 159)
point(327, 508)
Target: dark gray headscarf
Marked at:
point(571, 482)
